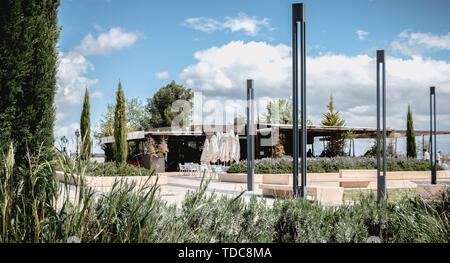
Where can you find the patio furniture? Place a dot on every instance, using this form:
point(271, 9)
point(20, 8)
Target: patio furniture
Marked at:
point(182, 168)
point(195, 169)
point(216, 169)
point(204, 168)
point(189, 169)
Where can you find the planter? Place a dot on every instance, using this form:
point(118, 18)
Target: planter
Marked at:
point(322, 194)
point(239, 178)
point(310, 178)
point(108, 181)
point(154, 163)
point(352, 178)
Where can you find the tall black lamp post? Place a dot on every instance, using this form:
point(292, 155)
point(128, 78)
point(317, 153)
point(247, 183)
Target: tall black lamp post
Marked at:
point(298, 17)
point(381, 81)
point(77, 133)
point(433, 149)
point(250, 135)
point(64, 142)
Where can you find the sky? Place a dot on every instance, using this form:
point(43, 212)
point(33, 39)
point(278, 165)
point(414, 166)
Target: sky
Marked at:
point(213, 47)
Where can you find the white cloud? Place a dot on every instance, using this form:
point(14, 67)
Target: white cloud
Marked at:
point(415, 43)
point(162, 75)
point(250, 25)
point(96, 95)
point(65, 130)
point(203, 24)
point(74, 66)
point(61, 116)
point(113, 40)
point(362, 34)
point(359, 109)
point(71, 80)
point(99, 27)
point(221, 72)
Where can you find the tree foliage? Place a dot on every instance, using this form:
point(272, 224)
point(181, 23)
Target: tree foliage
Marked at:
point(137, 119)
point(332, 118)
point(29, 34)
point(160, 105)
point(279, 111)
point(120, 127)
point(410, 137)
point(85, 128)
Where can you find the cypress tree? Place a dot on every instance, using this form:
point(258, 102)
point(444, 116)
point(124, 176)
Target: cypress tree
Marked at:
point(410, 137)
point(85, 128)
point(29, 34)
point(120, 127)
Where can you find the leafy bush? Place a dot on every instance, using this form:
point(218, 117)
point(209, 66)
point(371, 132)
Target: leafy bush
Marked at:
point(93, 168)
point(130, 214)
point(330, 165)
point(114, 169)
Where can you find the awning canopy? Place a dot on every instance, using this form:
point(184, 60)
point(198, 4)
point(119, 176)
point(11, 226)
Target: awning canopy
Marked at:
point(262, 129)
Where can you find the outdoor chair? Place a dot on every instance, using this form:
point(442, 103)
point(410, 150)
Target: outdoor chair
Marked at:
point(216, 169)
point(182, 168)
point(195, 168)
point(204, 168)
point(190, 169)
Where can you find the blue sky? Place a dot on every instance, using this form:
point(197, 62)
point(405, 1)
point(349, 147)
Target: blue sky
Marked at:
point(103, 41)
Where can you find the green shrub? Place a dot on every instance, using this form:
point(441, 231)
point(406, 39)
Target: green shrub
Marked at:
point(133, 214)
point(114, 169)
point(104, 169)
point(330, 165)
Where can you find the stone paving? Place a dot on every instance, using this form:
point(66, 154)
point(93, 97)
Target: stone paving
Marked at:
point(178, 186)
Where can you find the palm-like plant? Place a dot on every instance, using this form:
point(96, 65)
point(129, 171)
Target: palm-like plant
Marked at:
point(332, 118)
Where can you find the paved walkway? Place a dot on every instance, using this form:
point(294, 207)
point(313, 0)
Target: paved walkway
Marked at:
point(178, 186)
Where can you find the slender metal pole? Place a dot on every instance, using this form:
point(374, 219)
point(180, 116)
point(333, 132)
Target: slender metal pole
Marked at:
point(250, 135)
point(381, 178)
point(434, 136)
point(294, 102)
point(298, 16)
point(431, 133)
point(303, 112)
point(378, 120)
point(433, 149)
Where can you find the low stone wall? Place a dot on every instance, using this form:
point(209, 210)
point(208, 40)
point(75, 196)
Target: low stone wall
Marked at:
point(311, 177)
point(108, 181)
point(322, 194)
point(401, 175)
point(239, 178)
point(343, 178)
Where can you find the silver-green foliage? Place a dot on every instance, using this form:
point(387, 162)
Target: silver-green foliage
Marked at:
point(128, 213)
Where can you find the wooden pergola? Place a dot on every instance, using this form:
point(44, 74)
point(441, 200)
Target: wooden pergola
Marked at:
point(185, 145)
